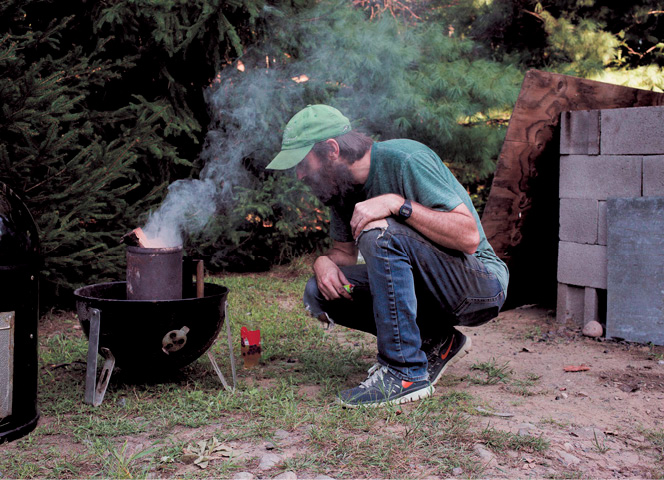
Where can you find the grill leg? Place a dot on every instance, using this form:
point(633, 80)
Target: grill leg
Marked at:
point(105, 376)
point(93, 347)
point(94, 392)
point(215, 366)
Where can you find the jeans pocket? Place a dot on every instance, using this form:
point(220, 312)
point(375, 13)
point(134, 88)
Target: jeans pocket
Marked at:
point(477, 311)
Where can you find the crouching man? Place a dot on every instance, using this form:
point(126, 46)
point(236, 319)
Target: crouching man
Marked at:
point(428, 265)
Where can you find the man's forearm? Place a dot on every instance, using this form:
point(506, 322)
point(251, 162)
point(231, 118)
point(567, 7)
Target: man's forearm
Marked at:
point(455, 229)
point(450, 229)
point(341, 257)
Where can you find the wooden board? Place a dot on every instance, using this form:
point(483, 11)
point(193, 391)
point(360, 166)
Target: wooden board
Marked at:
point(521, 215)
point(635, 269)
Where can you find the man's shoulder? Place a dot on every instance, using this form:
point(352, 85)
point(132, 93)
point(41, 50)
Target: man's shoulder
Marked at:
point(401, 145)
point(405, 153)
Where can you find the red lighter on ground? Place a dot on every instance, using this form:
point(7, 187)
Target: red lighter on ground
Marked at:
point(250, 346)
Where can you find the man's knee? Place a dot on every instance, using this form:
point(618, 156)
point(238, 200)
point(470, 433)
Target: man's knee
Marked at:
point(367, 242)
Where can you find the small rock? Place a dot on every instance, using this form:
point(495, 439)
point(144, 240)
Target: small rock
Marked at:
point(485, 455)
point(268, 461)
point(524, 429)
point(589, 433)
point(281, 434)
point(243, 476)
point(322, 477)
point(593, 329)
point(286, 476)
point(457, 471)
point(568, 458)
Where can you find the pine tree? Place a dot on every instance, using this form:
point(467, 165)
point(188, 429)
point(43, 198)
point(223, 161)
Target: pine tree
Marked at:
point(74, 181)
point(99, 102)
point(620, 42)
point(392, 77)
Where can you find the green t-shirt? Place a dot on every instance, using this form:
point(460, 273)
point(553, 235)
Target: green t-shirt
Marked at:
point(414, 171)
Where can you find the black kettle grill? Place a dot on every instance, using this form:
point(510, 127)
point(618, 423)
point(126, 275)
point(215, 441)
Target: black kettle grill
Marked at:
point(19, 317)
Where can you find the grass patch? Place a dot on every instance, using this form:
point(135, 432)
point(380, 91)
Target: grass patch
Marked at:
point(500, 441)
point(493, 372)
point(142, 429)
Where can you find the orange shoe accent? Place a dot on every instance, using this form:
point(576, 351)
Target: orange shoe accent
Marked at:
point(406, 384)
point(444, 355)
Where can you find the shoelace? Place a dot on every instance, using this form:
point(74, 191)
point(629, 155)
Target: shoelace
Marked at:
point(376, 374)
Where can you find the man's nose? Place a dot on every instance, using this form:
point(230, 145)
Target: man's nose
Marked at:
point(300, 172)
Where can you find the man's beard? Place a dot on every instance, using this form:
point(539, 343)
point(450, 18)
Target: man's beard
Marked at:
point(332, 184)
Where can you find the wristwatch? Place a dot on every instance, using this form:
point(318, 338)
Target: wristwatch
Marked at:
point(406, 210)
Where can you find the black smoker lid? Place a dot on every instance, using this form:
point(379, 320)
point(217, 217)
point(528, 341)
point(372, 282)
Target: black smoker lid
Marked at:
point(19, 238)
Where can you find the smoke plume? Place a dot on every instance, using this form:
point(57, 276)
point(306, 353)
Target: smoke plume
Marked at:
point(332, 56)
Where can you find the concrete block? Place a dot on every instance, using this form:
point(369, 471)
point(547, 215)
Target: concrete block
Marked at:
point(599, 177)
point(632, 131)
point(570, 304)
point(590, 305)
point(601, 224)
point(578, 220)
point(582, 265)
point(579, 132)
point(635, 275)
point(653, 176)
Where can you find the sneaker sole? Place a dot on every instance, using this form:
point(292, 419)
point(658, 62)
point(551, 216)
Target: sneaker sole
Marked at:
point(411, 397)
point(460, 354)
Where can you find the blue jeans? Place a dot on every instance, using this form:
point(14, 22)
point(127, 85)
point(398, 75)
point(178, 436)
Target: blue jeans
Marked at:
point(410, 290)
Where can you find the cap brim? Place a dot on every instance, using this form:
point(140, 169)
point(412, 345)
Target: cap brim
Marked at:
point(289, 158)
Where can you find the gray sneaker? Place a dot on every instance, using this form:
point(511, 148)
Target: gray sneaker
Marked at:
point(383, 388)
point(442, 354)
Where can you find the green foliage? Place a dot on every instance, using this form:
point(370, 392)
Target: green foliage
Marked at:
point(268, 225)
point(391, 79)
point(105, 103)
point(74, 180)
point(101, 108)
point(597, 39)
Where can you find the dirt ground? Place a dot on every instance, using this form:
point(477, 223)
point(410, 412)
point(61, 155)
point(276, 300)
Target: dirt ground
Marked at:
point(597, 421)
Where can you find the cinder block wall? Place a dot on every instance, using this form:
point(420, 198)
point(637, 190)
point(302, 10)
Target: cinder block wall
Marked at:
point(603, 153)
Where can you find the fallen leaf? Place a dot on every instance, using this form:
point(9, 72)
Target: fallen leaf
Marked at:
point(576, 368)
point(202, 463)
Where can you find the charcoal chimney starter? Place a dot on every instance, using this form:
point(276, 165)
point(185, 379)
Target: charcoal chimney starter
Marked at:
point(154, 273)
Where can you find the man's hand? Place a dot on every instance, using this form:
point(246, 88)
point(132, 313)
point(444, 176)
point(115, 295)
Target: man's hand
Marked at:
point(330, 279)
point(376, 208)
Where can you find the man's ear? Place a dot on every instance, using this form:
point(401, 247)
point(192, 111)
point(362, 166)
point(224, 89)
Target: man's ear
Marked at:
point(334, 149)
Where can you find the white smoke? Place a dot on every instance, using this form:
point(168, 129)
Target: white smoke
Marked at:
point(247, 108)
point(188, 207)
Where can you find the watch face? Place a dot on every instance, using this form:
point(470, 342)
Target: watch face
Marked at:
point(405, 211)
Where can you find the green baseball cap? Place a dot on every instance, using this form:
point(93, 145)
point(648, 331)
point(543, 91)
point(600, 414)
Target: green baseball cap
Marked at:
point(311, 125)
